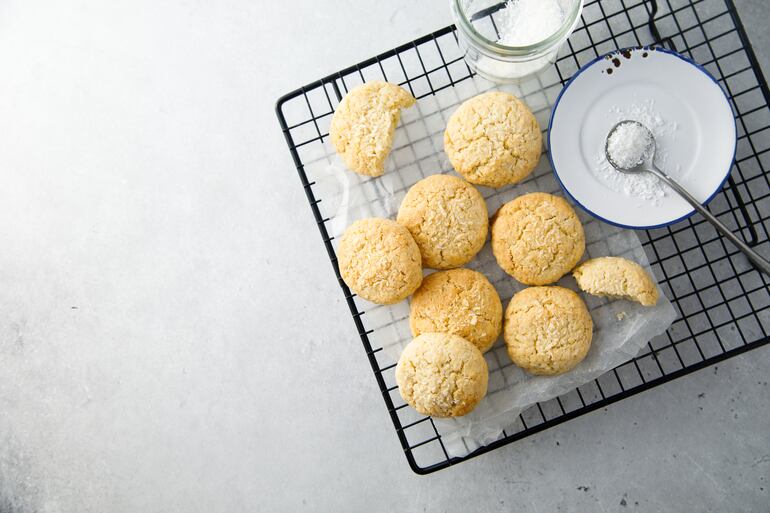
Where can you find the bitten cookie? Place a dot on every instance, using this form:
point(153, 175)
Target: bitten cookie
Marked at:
point(379, 260)
point(461, 302)
point(617, 278)
point(448, 219)
point(548, 330)
point(493, 139)
point(362, 126)
point(537, 238)
point(442, 375)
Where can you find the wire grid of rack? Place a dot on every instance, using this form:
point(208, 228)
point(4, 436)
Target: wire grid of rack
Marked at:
point(722, 302)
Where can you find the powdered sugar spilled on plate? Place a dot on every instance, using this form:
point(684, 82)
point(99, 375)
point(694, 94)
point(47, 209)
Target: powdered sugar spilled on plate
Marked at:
point(641, 185)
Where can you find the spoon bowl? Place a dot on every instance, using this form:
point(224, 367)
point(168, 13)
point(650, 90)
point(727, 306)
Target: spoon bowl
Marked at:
point(645, 155)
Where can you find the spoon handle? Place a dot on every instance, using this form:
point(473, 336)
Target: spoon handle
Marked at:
point(759, 262)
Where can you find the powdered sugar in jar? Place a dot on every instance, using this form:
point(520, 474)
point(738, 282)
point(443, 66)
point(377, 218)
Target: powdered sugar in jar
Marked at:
point(508, 41)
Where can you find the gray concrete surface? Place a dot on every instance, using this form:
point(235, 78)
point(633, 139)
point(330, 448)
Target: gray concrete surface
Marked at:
point(172, 338)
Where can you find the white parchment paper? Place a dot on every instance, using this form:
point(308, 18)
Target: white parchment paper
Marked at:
point(621, 328)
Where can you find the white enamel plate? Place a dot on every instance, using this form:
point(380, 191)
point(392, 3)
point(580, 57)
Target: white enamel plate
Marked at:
point(696, 135)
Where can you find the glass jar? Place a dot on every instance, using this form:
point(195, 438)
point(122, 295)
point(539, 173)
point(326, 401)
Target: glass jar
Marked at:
point(477, 23)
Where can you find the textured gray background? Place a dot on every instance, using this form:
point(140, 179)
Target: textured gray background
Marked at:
point(172, 337)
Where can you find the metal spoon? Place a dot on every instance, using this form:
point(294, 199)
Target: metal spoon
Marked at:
point(646, 165)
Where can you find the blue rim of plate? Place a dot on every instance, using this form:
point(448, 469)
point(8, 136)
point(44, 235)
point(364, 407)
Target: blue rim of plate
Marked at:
point(636, 48)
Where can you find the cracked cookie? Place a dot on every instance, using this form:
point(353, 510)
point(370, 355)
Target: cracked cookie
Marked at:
point(379, 260)
point(616, 277)
point(537, 238)
point(461, 302)
point(363, 124)
point(548, 330)
point(448, 219)
point(493, 139)
point(442, 375)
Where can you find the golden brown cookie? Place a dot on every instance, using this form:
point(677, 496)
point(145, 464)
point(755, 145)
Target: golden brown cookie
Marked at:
point(379, 260)
point(461, 302)
point(617, 278)
point(442, 375)
point(548, 330)
point(537, 238)
point(363, 124)
point(493, 139)
point(448, 219)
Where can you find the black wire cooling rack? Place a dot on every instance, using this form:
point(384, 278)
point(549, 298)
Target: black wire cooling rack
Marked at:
point(723, 304)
